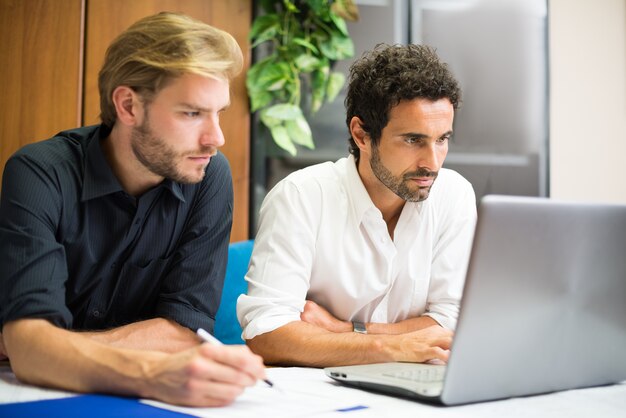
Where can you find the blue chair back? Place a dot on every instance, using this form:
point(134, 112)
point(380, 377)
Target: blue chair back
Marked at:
point(227, 328)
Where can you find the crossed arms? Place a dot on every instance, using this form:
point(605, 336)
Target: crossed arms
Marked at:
point(321, 340)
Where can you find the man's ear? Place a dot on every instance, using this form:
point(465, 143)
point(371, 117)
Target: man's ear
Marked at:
point(361, 138)
point(127, 105)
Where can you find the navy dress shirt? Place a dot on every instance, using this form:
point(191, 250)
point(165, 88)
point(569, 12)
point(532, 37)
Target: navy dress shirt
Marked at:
point(75, 249)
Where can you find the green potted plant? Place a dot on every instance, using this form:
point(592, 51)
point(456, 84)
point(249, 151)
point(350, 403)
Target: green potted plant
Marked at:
point(302, 40)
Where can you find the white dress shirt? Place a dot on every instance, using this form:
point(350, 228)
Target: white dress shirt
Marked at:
point(321, 238)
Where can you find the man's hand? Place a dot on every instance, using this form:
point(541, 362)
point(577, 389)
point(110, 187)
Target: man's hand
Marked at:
point(318, 316)
point(432, 343)
point(204, 375)
point(320, 340)
point(300, 343)
point(207, 375)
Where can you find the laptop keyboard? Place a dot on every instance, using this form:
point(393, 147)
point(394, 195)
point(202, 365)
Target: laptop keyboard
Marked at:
point(422, 375)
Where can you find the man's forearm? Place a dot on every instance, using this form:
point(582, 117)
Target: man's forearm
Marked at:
point(402, 327)
point(156, 334)
point(302, 344)
point(45, 355)
point(317, 315)
point(206, 375)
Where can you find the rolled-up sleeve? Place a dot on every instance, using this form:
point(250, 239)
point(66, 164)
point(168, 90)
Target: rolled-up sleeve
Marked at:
point(192, 287)
point(33, 268)
point(282, 259)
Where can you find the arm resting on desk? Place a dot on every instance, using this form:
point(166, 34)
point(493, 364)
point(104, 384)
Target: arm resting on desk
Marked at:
point(205, 375)
point(156, 334)
point(401, 327)
point(302, 344)
point(316, 315)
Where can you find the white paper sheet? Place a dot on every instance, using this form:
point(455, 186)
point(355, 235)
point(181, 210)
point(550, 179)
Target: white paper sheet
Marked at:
point(295, 394)
point(308, 392)
point(303, 392)
point(12, 390)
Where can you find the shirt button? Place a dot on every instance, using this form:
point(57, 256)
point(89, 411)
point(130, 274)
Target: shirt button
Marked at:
point(96, 313)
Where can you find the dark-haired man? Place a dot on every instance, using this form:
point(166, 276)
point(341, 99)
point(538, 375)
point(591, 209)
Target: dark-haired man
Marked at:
point(363, 260)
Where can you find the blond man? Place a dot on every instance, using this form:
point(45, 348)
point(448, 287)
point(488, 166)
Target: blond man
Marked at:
point(113, 238)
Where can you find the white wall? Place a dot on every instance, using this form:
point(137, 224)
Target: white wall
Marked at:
point(588, 100)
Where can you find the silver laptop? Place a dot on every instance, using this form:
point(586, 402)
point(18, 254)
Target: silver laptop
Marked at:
point(543, 309)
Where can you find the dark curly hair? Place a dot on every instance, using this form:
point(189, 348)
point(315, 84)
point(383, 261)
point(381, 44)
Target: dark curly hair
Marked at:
point(389, 74)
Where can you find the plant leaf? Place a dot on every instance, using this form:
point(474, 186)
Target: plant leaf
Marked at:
point(259, 99)
point(346, 9)
point(255, 71)
point(339, 23)
point(282, 139)
point(319, 78)
point(334, 85)
point(327, 49)
point(306, 44)
point(290, 6)
point(268, 120)
point(265, 27)
point(302, 38)
point(342, 46)
point(318, 6)
point(307, 63)
point(270, 74)
point(300, 132)
point(269, 6)
point(284, 111)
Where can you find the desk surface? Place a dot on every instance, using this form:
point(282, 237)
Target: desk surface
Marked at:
point(300, 387)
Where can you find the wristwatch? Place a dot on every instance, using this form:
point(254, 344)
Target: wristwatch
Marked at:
point(359, 327)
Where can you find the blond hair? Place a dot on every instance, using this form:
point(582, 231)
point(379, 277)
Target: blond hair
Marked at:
point(160, 47)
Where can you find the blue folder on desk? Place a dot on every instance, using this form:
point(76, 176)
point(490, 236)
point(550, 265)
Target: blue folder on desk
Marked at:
point(92, 406)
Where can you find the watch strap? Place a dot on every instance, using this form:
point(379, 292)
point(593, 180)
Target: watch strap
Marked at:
point(359, 327)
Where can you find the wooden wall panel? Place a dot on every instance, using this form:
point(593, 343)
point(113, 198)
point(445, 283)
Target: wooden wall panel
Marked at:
point(107, 18)
point(235, 17)
point(40, 70)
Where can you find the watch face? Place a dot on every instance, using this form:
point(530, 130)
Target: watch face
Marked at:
point(359, 327)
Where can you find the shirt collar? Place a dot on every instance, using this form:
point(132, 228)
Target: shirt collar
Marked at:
point(174, 188)
point(99, 179)
point(361, 200)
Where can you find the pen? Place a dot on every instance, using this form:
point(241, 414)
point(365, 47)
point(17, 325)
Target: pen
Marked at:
point(207, 337)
